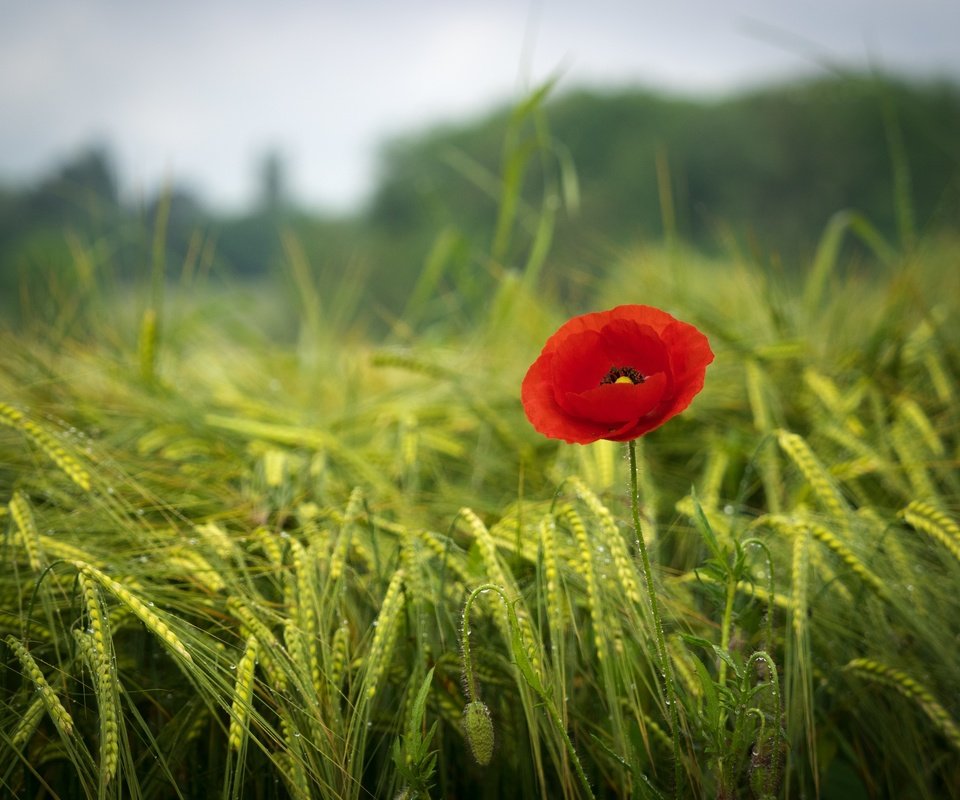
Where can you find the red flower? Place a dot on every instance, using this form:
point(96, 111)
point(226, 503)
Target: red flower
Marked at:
point(615, 375)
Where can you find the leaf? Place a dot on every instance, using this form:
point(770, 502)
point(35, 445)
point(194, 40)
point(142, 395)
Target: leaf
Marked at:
point(703, 525)
point(696, 641)
point(419, 705)
point(723, 655)
point(710, 695)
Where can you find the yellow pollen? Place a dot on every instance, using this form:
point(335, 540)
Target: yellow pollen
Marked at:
point(623, 379)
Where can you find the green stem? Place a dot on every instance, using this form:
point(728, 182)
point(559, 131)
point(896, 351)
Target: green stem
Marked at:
point(726, 626)
point(772, 780)
point(470, 678)
point(575, 760)
point(665, 671)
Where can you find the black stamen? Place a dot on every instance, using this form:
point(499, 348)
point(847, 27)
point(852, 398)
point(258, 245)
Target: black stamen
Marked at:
point(622, 372)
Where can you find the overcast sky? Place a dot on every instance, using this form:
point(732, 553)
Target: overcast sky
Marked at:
point(198, 91)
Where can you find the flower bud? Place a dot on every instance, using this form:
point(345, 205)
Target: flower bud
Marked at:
point(478, 728)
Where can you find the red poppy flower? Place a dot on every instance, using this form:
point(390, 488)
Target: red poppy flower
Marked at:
point(615, 375)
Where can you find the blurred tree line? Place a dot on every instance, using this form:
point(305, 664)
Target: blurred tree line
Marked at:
point(588, 172)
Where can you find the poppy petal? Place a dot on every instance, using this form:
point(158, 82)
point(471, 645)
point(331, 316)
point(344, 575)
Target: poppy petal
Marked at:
point(689, 350)
point(580, 365)
point(546, 415)
point(616, 403)
point(630, 344)
point(642, 315)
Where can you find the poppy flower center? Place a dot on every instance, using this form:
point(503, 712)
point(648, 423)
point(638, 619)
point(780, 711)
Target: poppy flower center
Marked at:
point(622, 375)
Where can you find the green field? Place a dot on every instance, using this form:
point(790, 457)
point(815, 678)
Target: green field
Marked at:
point(237, 565)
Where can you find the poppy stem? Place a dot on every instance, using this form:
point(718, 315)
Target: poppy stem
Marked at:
point(665, 669)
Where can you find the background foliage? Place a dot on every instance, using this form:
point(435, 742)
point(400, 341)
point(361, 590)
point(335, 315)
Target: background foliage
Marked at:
point(760, 172)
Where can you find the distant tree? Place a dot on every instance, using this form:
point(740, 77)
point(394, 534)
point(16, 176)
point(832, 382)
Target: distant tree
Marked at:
point(273, 195)
point(84, 188)
point(772, 165)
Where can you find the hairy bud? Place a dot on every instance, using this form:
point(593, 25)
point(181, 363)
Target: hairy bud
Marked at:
point(479, 730)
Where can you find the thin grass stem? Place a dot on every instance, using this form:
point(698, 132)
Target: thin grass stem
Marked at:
point(665, 672)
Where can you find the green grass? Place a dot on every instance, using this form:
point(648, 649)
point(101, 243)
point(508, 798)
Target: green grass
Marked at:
point(240, 568)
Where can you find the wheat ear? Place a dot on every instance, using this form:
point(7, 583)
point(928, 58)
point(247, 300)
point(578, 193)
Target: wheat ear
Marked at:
point(31, 670)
